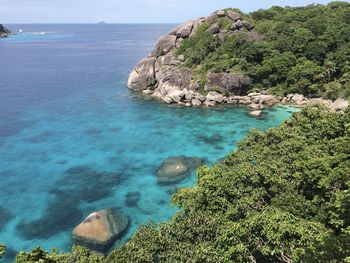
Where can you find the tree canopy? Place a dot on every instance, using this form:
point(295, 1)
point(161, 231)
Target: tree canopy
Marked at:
point(301, 50)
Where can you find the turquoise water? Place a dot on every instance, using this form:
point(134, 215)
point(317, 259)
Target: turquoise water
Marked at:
point(74, 139)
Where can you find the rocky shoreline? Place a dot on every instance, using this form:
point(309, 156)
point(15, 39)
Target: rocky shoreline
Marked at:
point(256, 101)
point(4, 32)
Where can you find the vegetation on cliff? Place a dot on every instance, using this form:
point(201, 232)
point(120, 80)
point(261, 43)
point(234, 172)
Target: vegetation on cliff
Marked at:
point(301, 50)
point(283, 196)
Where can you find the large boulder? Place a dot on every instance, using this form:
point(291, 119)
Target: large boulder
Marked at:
point(226, 82)
point(213, 29)
point(248, 25)
point(143, 76)
point(211, 18)
point(215, 97)
point(100, 229)
point(164, 45)
point(233, 15)
point(172, 78)
point(175, 169)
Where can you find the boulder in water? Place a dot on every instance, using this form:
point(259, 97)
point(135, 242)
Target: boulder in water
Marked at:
point(175, 169)
point(100, 229)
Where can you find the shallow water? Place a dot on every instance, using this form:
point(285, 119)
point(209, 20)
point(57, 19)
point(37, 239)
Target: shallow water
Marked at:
point(73, 139)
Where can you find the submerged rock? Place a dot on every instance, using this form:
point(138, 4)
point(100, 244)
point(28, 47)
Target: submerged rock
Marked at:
point(132, 199)
point(175, 169)
point(100, 229)
point(5, 217)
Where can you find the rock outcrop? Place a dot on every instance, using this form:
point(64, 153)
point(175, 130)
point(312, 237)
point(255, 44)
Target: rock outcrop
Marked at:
point(4, 32)
point(165, 76)
point(175, 169)
point(100, 229)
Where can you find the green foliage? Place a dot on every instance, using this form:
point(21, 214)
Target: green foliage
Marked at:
point(283, 196)
point(198, 47)
point(37, 255)
point(78, 255)
point(293, 39)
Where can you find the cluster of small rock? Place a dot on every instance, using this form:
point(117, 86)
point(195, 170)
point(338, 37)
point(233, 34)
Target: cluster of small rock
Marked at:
point(4, 32)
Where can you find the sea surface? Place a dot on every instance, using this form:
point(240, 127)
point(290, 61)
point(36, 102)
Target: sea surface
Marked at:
point(74, 139)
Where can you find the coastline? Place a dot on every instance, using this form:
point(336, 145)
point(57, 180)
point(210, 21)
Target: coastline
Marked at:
point(256, 101)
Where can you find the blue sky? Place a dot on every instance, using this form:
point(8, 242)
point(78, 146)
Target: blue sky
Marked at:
point(125, 11)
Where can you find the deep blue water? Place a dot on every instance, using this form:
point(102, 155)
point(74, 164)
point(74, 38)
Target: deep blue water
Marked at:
point(73, 139)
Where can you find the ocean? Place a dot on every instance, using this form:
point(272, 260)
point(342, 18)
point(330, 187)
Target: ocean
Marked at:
point(74, 139)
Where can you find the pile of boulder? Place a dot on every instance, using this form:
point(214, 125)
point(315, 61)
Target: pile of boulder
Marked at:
point(164, 75)
point(4, 32)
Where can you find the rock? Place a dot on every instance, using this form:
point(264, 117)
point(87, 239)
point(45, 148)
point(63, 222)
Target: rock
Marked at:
point(188, 95)
point(209, 103)
point(100, 229)
point(185, 31)
point(253, 94)
point(247, 25)
point(164, 45)
point(132, 199)
point(181, 58)
point(188, 104)
point(4, 32)
point(268, 100)
point(221, 13)
point(213, 29)
point(143, 76)
point(172, 78)
point(239, 24)
point(289, 96)
point(298, 98)
point(196, 102)
point(176, 95)
point(245, 100)
point(147, 92)
point(233, 15)
point(174, 31)
point(215, 96)
point(340, 104)
point(226, 82)
point(232, 100)
point(175, 169)
point(285, 100)
point(233, 27)
point(202, 98)
point(254, 106)
point(256, 113)
point(211, 18)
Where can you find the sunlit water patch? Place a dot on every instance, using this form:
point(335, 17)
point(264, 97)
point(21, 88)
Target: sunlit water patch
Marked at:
point(73, 139)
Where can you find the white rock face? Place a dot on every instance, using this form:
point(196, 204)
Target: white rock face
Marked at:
point(340, 104)
point(215, 96)
point(256, 113)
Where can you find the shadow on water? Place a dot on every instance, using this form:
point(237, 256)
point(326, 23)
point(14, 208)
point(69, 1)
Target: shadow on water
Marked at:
point(5, 217)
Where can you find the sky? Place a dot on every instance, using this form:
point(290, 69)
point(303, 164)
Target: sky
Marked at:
point(125, 11)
